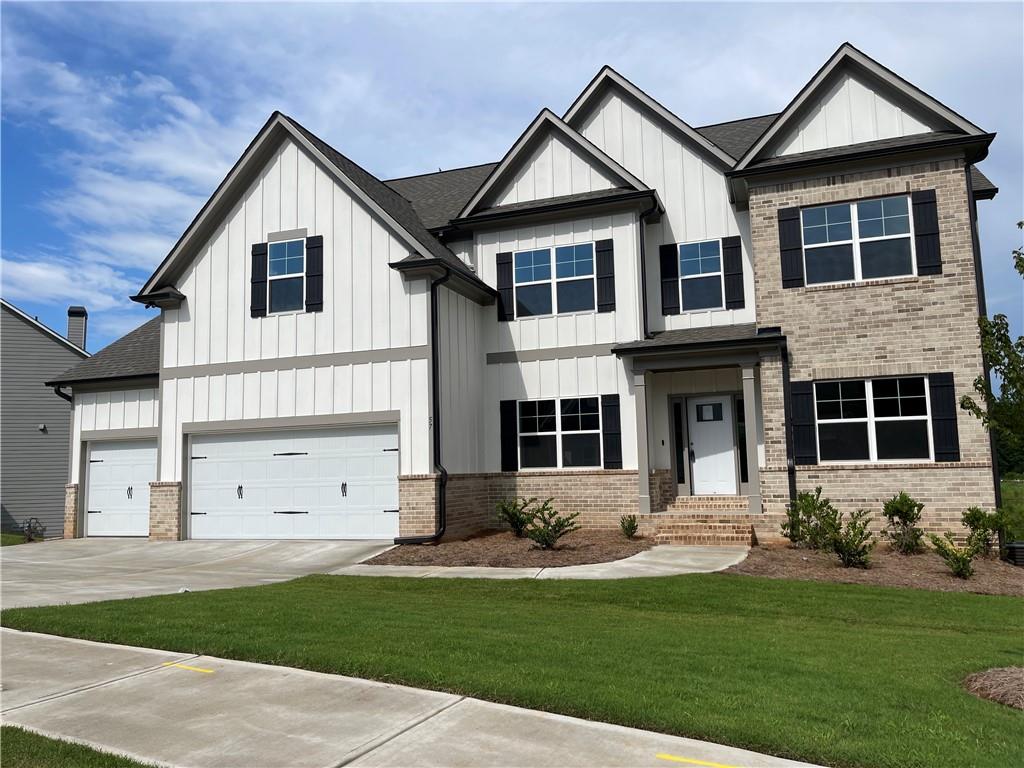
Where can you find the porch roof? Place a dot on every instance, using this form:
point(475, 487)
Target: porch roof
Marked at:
point(743, 336)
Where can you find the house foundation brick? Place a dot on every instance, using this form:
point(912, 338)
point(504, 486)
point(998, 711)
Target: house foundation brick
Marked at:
point(164, 511)
point(417, 502)
point(71, 510)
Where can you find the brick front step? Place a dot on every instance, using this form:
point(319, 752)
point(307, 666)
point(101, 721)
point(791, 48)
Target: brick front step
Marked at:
point(705, 504)
point(704, 532)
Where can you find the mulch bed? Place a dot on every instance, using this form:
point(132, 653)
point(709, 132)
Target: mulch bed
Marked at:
point(888, 569)
point(1002, 684)
point(503, 550)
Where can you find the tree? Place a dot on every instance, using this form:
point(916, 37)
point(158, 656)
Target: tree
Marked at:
point(1002, 413)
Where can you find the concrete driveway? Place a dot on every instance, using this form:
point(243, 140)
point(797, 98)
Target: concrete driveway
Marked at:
point(84, 570)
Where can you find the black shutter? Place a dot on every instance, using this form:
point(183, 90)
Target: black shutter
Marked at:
point(732, 267)
point(605, 254)
point(509, 436)
point(258, 296)
point(505, 302)
point(611, 432)
point(805, 443)
point(791, 248)
point(944, 430)
point(315, 273)
point(668, 255)
point(926, 232)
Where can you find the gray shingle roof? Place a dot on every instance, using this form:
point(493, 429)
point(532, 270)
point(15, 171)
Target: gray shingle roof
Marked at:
point(737, 136)
point(698, 337)
point(438, 197)
point(579, 197)
point(983, 188)
point(136, 354)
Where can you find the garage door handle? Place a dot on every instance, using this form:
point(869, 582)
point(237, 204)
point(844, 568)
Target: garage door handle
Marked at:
point(291, 512)
point(129, 491)
point(239, 491)
point(344, 489)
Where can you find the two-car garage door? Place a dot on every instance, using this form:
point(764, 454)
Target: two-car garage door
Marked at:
point(296, 484)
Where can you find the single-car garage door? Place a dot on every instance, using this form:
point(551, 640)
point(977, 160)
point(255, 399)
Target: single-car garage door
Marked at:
point(295, 484)
point(117, 487)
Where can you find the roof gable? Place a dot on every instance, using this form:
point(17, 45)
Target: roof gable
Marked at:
point(42, 329)
point(546, 143)
point(590, 98)
point(853, 84)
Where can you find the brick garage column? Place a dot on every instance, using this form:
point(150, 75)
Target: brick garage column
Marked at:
point(642, 462)
point(71, 529)
point(164, 511)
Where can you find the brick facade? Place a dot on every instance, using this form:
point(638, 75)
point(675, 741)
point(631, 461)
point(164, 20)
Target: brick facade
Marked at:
point(417, 500)
point(916, 325)
point(164, 511)
point(71, 510)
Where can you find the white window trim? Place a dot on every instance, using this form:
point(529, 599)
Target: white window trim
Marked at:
point(290, 275)
point(554, 280)
point(858, 276)
point(720, 273)
point(558, 435)
point(871, 420)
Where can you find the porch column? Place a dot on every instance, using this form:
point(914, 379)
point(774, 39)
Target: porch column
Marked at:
point(642, 463)
point(752, 416)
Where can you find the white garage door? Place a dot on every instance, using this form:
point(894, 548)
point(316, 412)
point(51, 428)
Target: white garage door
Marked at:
point(295, 484)
point(117, 494)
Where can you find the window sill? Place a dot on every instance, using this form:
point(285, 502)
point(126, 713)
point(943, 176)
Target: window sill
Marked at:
point(861, 283)
point(564, 314)
point(286, 313)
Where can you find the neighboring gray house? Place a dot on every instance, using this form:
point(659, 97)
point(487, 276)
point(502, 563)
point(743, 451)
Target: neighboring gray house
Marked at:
point(34, 425)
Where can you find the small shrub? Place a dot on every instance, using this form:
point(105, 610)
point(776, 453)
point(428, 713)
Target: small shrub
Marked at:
point(516, 514)
point(811, 521)
point(903, 514)
point(1012, 520)
point(853, 541)
point(957, 558)
point(629, 525)
point(546, 526)
point(983, 526)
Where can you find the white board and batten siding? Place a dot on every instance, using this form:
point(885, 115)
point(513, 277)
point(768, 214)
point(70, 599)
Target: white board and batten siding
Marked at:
point(693, 189)
point(367, 306)
point(461, 368)
point(850, 112)
point(554, 169)
point(112, 410)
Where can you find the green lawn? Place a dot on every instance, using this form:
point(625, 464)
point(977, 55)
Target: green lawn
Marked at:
point(10, 539)
point(837, 674)
point(23, 749)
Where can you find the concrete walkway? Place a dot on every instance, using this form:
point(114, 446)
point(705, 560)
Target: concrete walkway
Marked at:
point(663, 560)
point(204, 712)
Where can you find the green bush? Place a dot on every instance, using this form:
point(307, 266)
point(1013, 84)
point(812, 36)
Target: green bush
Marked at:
point(853, 541)
point(811, 521)
point(516, 514)
point(546, 526)
point(629, 525)
point(1012, 518)
point(957, 558)
point(984, 527)
point(903, 514)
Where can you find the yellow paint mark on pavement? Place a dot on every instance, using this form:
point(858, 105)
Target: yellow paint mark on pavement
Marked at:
point(691, 761)
point(195, 669)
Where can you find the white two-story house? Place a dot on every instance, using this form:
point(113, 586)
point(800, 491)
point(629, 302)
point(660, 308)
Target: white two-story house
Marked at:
point(626, 313)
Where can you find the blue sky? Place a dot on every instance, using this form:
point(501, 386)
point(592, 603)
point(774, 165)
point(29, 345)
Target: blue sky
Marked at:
point(119, 120)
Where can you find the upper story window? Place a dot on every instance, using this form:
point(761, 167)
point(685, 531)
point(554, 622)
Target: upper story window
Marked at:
point(873, 419)
point(286, 276)
point(700, 275)
point(560, 433)
point(858, 241)
point(572, 289)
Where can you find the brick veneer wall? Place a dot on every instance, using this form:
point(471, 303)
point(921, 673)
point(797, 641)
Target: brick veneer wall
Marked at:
point(70, 510)
point(164, 511)
point(888, 327)
point(417, 498)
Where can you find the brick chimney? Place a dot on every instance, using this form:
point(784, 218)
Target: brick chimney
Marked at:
point(78, 319)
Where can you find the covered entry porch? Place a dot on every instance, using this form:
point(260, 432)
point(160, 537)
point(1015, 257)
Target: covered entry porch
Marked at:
point(700, 434)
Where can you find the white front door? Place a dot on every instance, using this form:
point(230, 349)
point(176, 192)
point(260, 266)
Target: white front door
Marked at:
point(712, 445)
point(339, 483)
point(117, 494)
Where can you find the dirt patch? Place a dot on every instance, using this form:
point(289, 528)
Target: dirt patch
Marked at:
point(1003, 684)
point(503, 550)
point(888, 569)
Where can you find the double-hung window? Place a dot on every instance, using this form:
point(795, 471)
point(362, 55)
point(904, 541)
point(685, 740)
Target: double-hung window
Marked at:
point(572, 289)
point(286, 275)
point(873, 419)
point(866, 240)
point(700, 275)
point(560, 433)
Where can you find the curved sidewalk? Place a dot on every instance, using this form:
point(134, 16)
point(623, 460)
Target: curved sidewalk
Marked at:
point(663, 560)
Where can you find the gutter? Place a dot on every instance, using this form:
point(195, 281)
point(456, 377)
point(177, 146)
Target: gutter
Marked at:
point(435, 384)
point(468, 222)
point(59, 392)
point(643, 266)
point(787, 411)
